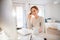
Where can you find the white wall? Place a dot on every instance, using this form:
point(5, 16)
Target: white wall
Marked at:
point(7, 20)
point(53, 11)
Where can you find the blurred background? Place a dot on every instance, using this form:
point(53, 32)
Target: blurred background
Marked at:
point(13, 16)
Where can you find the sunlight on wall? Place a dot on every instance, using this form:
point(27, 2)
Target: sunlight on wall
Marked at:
point(19, 14)
point(13, 13)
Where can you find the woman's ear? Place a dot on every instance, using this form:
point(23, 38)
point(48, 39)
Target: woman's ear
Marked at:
point(29, 16)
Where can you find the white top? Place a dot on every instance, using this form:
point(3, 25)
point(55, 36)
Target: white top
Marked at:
point(34, 23)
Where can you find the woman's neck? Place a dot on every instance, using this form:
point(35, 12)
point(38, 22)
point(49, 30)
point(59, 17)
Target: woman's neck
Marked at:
point(36, 16)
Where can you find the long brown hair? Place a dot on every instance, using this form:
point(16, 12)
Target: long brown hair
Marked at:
point(34, 7)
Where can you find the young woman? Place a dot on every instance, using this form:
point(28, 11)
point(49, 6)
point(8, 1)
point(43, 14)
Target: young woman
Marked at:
point(35, 22)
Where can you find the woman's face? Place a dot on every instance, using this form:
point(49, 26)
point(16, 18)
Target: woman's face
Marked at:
point(34, 11)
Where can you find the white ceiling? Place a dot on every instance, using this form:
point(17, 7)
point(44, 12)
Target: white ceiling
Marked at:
point(37, 1)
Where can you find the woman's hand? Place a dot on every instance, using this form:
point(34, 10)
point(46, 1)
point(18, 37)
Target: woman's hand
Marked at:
point(29, 16)
point(40, 30)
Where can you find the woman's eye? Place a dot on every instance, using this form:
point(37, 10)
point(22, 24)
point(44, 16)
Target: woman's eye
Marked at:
point(33, 10)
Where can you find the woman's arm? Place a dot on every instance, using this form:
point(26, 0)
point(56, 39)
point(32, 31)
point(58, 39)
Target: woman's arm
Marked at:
point(41, 29)
point(28, 22)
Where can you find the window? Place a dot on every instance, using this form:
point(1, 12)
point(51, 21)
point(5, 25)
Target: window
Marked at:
point(19, 16)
